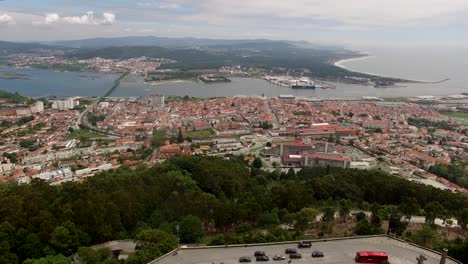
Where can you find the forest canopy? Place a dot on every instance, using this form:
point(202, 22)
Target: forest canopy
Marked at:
point(38, 220)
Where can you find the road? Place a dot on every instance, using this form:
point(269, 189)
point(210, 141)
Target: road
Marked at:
point(82, 120)
point(125, 245)
point(268, 107)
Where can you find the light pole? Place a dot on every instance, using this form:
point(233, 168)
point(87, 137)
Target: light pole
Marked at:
point(178, 239)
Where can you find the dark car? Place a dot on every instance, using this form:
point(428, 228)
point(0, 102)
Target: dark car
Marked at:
point(290, 250)
point(295, 256)
point(259, 253)
point(304, 244)
point(317, 254)
point(263, 258)
point(244, 259)
point(279, 257)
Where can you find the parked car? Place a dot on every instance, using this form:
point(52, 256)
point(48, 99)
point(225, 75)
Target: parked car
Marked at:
point(279, 257)
point(304, 244)
point(263, 258)
point(245, 259)
point(295, 256)
point(259, 253)
point(317, 254)
point(290, 250)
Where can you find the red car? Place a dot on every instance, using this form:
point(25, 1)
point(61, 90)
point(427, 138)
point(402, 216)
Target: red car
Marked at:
point(371, 257)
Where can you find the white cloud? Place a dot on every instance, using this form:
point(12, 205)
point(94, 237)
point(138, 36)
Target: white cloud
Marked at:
point(362, 14)
point(109, 18)
point(52, 18)
point(161, 4)
point(86, 19)
point(6, 19)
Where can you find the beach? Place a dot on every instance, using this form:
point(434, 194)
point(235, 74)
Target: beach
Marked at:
point(341, 63)
point(166, 82)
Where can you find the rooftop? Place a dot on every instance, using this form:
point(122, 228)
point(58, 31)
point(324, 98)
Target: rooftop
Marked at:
point(335, 251)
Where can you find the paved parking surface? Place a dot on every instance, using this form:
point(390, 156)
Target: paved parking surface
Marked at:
point(339, 251)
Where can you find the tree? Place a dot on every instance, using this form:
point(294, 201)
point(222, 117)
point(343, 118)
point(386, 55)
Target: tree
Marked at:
point(26, 143)
point(5, 255)
point(425, 236)
point(266, 125)
point(304, 219)
point(432, 211)
point(364, 228)
point(344, 210)
point(409, 206)
point(361, 216)
point(376, 221)
point(11, 156)
point(61, 239)
point(191, 229)
point(268, 219)
point(158, 138)
point(463, 218)
point(328, 214)
point(29, 247)
point(155, 236)
point(66, 238)
point(257, 163)
point(395, 225)
point(89, 255)
point(291, 175)
point(180, 136)
point(153, 243)
point(58, 259)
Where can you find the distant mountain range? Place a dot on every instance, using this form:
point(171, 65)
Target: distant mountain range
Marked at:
point(175, 42)
point(66, 46)
point(200, 53)
point(7, 48)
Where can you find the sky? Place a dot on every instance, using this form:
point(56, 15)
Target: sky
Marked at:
point(344, 22)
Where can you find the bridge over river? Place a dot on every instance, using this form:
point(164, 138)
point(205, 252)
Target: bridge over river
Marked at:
point(83, 121)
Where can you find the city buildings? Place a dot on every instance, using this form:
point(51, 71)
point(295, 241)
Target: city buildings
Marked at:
point(65, 104)
point(301, 133)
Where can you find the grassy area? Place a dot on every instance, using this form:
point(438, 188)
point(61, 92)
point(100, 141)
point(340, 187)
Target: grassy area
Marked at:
point(85, 101)
point(84, 135)
point(199, 134)
point(459, 116)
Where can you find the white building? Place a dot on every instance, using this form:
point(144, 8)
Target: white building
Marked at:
point(37, 107)
point(23, 111)
point(65, 104)
point(6, 167)
point(53, 175)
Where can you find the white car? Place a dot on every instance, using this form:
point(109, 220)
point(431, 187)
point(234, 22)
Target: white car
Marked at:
point(279, 257)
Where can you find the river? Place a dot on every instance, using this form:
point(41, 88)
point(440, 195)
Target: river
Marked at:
point(412, 64)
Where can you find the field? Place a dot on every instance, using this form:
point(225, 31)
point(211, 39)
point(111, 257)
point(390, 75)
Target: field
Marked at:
point(84, 135)
point(459, 116)
point(199, 134)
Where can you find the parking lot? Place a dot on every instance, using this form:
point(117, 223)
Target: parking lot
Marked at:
point(337, 251)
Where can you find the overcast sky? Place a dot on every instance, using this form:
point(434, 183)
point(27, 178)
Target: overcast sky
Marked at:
point(345, 22)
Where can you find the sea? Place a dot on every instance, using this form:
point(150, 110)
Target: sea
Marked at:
point(423, 64)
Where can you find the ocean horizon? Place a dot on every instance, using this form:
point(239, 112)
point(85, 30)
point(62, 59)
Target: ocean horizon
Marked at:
point(416, 64)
